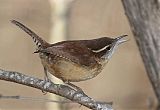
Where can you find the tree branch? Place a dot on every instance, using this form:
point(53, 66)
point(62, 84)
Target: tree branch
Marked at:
point(58, 89)
point(144, 18)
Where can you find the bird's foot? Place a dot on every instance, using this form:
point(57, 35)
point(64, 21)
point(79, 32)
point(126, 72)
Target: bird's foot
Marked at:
point(46, 79)
point(78, 89)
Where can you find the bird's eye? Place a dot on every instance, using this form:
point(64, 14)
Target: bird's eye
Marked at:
point(108, 47)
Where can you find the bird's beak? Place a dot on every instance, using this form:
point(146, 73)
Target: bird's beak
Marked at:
point(120, 39)
point(117, 41)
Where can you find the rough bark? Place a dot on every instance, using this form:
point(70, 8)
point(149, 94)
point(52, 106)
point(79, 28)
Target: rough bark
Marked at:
point(144, 19)
point(58, 89)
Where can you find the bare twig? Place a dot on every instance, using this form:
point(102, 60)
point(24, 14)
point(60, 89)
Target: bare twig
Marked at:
point(58, 89)
point(18, 97)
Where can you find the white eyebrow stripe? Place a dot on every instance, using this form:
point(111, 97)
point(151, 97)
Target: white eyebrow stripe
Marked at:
point(99, 50)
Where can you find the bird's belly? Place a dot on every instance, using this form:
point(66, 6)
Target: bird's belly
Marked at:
point(69, 71)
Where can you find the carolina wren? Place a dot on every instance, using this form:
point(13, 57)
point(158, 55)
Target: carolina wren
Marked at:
point(74, 60)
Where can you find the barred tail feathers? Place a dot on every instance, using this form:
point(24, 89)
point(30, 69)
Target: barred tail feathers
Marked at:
point(40, 43)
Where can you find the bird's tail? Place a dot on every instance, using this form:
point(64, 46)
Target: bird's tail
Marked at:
point(40, 43)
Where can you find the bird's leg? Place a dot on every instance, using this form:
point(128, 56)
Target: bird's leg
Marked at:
point(78, 89)
point(46, 78)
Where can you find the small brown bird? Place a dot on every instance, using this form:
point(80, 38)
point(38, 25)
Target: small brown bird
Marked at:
point(75, 60)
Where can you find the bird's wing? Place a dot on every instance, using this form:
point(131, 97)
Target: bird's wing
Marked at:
point(76, 53)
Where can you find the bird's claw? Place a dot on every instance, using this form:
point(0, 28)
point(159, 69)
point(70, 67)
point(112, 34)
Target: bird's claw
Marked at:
point(46, 79)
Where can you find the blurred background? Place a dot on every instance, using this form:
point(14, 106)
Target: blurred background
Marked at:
point(123, 81)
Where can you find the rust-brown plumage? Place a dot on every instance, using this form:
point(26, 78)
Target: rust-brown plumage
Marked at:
point(77, 60)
